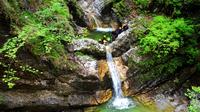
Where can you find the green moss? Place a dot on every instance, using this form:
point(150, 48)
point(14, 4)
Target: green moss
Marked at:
point(11, 8)
point(165, 36)
point(121, 9)
point(152, 69)
point(99, 36)
point(142, 3)
point(42, 31)
point(1, 99)
point(169, 44)
point(173, 8)
point(192, 94)
point(76, 11)
point(79, 54)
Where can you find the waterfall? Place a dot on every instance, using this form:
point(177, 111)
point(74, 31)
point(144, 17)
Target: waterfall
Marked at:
point(119, 101)
point(95, 7)
point(104, 29)
point(97, 22)
point(92, 10)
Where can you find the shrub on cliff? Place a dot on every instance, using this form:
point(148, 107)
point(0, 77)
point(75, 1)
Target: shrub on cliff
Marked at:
point(193, 95)
point(169, 7)
point(43, 31)
point(169, 45)
point(165, 36)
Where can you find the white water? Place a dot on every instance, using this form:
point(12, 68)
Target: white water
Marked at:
point(96, 4)
point(104, 29)
point(92, 10)
point(119, 101)
point(97, 22)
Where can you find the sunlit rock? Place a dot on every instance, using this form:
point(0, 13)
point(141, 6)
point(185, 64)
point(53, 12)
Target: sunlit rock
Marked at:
point(88, 46)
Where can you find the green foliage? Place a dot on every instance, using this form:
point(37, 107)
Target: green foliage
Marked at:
point(121, 9)
point(27, 68)
point(10, 71)
point(43, 32)
point(11, 47)
point(85, 32)
point(170, 7)
point(142, 3)
point(99, 36)
point(139, 27)
point(9, 77)
point(165, 36)
point(191, 51)
point(168, 44)
point(194, 101)
point(151, 68)
point(1, 99)
point(11, 8)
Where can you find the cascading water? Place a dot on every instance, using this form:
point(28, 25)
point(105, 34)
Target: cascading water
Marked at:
point(97, 22)
point(119, 101)
point(104, 29)
point(92, 10)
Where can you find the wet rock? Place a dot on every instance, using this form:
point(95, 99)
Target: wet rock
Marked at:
point(103, 96)
point(122, 43)
point(86, 77)
point(163, 102)
point(121, 68)
point(94, 6)
point(133, 53)
point(181, 108)
point(46, 98)
point(58, 87)
point(88, 46)
point(141, 80)
point(102, 69)
point(101, 4)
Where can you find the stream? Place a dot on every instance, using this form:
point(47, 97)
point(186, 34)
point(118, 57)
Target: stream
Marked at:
point(97, 56)
point(118, 102)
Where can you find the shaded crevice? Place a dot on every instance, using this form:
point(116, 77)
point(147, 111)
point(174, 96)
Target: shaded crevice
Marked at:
point(77, 14)
point(4, 28)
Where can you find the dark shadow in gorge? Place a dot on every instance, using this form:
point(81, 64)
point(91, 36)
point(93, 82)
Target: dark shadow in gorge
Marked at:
point(77, 14)
point(4, 28)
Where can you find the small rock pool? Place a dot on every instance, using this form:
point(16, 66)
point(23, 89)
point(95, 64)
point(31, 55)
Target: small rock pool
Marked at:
point(160, 106)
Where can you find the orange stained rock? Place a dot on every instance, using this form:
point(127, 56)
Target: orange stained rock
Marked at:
point(102, 69)
point(104, 96)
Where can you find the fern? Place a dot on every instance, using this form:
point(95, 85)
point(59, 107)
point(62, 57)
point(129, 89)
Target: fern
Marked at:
point(43, 30)
point(165, 36)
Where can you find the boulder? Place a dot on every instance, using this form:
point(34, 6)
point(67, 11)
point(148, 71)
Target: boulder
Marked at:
point(50, 99)
point(123, 43)
point(58, 87)
point(88, 46)
point(132, 53)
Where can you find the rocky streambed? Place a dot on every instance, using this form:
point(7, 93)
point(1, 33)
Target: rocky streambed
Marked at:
point(80, 78)
point(89, 84)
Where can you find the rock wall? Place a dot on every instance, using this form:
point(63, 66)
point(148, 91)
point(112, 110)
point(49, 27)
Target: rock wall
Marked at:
point(58, 87)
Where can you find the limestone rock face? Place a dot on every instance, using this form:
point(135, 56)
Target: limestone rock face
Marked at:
point(122, 43)
point(132, 53)
point(88, 46)
point(102, 69)
point(87, 78)
point(94, 5)
point(58, 87)
point(142, 81)
point(51, 99)
point(101, 4)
